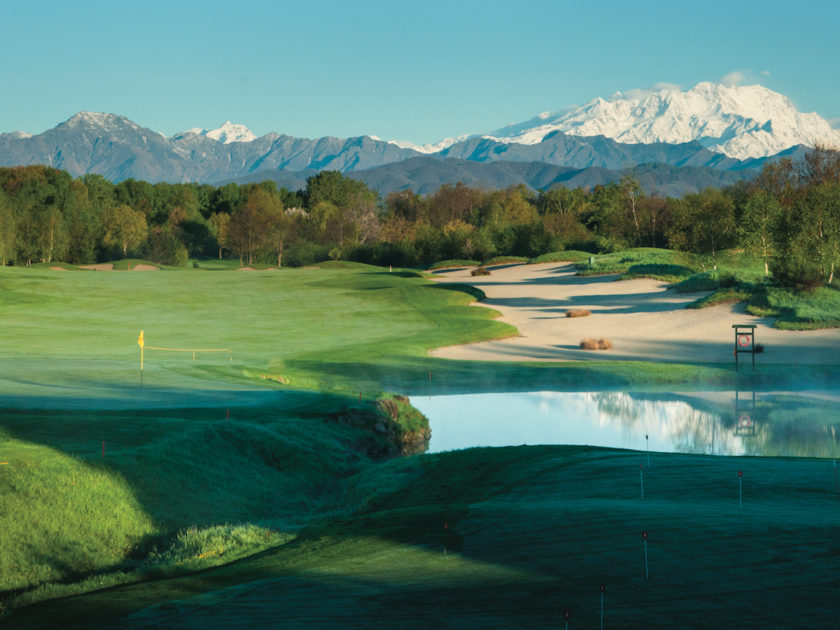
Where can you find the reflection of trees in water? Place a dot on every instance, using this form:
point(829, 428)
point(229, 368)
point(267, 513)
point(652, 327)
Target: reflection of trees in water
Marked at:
point(696, 431)
point(799, 427)
point(688, 429)
point(618, 405)
point(796, 426)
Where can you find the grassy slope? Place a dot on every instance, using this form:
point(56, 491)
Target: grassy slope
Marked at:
point(512, 537)
point(174, 463)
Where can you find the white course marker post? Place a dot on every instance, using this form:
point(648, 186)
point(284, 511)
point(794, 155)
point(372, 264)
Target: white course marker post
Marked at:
point(740, 489)
point(644, 541)
point(603, 590)
point(642, 481)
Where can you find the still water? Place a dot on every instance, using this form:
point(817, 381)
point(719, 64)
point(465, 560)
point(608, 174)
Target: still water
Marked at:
point(801, 424)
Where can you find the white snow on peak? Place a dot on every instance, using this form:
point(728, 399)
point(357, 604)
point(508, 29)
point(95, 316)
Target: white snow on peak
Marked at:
point(430, 148)
point(108, 122)
point(739, 121)
point(227, 133)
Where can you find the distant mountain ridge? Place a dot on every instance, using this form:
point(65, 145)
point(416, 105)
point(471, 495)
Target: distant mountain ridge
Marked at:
point(698, 128)
point(425, 174)
point(738, 121)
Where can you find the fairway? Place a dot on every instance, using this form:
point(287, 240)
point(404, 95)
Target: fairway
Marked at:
point(251, 490)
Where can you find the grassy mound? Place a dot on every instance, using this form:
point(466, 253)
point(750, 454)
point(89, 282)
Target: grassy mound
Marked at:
point(512, 537)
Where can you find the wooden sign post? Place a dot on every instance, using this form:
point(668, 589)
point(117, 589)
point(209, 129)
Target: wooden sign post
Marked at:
point(744, 341)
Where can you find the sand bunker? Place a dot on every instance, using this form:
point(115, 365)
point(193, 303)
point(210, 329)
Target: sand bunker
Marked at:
point(142, 267)
point(642, 318)
point(58, 268)
point(99, 267)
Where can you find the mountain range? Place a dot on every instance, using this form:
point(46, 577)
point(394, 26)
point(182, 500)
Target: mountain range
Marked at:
point(710, 135)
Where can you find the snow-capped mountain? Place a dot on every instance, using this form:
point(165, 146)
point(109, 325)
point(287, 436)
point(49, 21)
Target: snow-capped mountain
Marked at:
point(723, 127)
point(227, 133)
point(743, 122)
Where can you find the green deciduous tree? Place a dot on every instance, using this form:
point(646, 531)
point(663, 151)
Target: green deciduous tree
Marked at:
point(248, 227)
point(758, 224)
point(704, 224)
point(124, 227)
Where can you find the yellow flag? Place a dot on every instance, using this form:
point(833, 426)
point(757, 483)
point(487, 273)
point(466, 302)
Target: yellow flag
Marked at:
point(140, 339)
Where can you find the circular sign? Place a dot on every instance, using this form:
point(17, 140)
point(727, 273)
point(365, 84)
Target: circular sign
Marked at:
point(744, 341)
point(644, 535)
point(740, 473)
point(566, 615)
point(745, 421)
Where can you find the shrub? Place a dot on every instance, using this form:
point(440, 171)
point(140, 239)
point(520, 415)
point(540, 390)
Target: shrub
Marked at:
point(578, 312)
point(658, 271)
point(796, 274)
point(593, 344)
point(480, 271)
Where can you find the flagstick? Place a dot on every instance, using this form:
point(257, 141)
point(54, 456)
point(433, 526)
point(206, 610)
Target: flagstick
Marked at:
point(740, 490)
point(647, 449)
point(642, 481)
point(644, 540)
point(834, 436)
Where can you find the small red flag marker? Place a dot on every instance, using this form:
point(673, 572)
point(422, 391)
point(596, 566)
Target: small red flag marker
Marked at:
point(647, 449)
point(644, 541)
point(740, 489)
point(566, 615)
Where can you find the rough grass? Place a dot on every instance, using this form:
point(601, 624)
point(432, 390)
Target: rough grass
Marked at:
point(722, 296)
point(571, 255)
point(505, 260)
point(646, 259)
point(449, 264)
point(806, 310)
point(658, 271)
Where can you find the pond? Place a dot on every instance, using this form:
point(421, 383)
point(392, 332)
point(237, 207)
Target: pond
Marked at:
point(800, 424)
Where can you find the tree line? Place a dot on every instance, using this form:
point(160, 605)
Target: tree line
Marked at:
point(789, 216)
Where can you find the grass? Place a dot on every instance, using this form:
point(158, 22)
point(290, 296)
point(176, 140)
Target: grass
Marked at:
point(648, 261)
point(571, 255)
point(216, 460)
point(449, 264)
point(807, 310)
point(512, 537)
point(506, 260)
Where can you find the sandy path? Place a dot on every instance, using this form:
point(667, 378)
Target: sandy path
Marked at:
point(643, 319)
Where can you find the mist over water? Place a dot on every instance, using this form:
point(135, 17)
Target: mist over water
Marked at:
point(799, 424)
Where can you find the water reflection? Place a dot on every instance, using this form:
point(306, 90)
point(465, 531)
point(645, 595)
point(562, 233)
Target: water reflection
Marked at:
point(802, 424)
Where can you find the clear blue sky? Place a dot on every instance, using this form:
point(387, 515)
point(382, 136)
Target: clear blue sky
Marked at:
point(400, 69)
